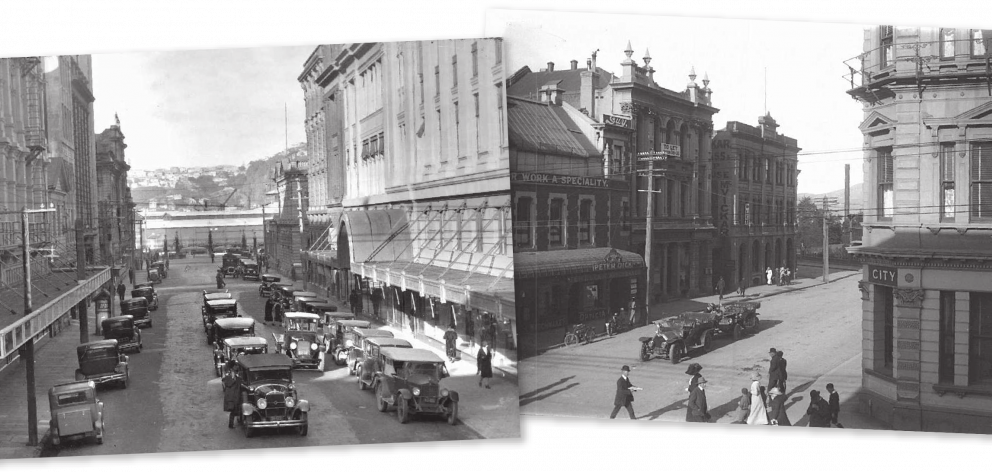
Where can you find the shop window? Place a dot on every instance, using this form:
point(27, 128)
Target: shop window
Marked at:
point(591, 296)
point(946, 343)
point(556, 222)
point(523, 223)
point(977, 44)
point(947, 208)
point(980, 339)
point(886, 51)
point(947, 43)
point(886, 196)
point(585, 222)
point(884, 329)
point(981, 180)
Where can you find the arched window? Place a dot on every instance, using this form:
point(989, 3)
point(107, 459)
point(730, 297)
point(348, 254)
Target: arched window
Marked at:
point(683, 141)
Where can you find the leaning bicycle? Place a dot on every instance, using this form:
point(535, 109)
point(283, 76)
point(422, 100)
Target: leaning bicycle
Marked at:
point(579, 333)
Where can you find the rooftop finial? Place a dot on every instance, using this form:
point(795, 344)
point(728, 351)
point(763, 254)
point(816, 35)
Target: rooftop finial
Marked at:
point(647, 57)
point(692, 74)
point(117, 120)
point(706, 79)
point(629, 51)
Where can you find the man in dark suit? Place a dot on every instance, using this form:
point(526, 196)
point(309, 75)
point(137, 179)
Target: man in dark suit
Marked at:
point(698, 412)
point(775, 370)
point(625, 394)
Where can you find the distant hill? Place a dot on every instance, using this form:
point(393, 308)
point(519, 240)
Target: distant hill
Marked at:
point(856, 197)
point(188, 187)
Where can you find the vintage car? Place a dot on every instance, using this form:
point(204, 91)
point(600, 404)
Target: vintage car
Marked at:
point(76, 412)
point(411, 381)
point(230, 271)
point(269, 396)
point(123, 330)
point(154, 276)
point(250, 271)
point(282, 297)
point(232, 348)
point(372, 362)
point(148, 293)
point(102, 362)
point(677, 335)
point(341, 338)
point(736, 319)
point(162, 269)
point(357, 353)
point(215, 296)
point(302, 341)
point(224, 328)
point(297, 297)
point(317, 306)
point(211, 291)
point(224, 308)
point(265, 288)
point(137, 308)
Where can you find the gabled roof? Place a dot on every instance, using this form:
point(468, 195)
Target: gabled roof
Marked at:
point(981, 111)
point(876, 120)
point(525, 83)
point(547, 129)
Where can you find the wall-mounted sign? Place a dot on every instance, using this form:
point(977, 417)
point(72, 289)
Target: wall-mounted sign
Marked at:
point(882, 275)
point(614, 261)
point(560, 179)
point(618, 121)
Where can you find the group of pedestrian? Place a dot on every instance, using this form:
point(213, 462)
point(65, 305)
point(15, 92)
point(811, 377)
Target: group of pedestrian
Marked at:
point(779, 276)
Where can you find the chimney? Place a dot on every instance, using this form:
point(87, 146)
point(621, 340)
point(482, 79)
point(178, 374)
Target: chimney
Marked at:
point(575, 64)
point(551, 93)
point(551, 66)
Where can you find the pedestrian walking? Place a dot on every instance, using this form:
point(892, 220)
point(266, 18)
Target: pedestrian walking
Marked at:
point(720, 286)
point(130, 276)
point(376, 301)
point(834, 404)
point(768, 275)
point(693, 370)
point(758, 414)
point(231, 394)
point(742, 286)
point(684, 286)
point(776, 408)
point(697, 411)
point(774, 370)
point(450, 337)
point(743, 406)
point(484, 361)
point(356, 302)
point(220, 280)
point(818, 411)
point(121, 290)
point(269, 305)
point(625, 394)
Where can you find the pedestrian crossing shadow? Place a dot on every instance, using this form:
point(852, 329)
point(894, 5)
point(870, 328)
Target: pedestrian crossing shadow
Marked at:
point(539, 394)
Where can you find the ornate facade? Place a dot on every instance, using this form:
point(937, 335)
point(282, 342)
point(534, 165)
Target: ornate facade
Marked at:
point(116, 209)
point(927, 288)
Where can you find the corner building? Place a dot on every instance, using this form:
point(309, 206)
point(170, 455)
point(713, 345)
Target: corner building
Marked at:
point(927, 287)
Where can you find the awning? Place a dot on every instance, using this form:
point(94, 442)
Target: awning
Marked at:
point(615, 262)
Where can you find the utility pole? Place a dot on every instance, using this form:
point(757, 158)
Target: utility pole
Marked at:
point(847, 204)
point(648, 243)
point(826, 244)
point(28, 348)
point(299, 208)
point(84, 335)
point(141, 229)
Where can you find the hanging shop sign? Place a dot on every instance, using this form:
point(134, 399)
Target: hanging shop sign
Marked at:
point(617, 121)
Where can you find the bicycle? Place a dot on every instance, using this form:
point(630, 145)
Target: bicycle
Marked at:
point(580, 332)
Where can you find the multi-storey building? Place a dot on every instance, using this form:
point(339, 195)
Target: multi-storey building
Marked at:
point(754, 181)
point(286, 233)
point(116, 215)
point(927, 288)
point(416, 135)
point(570, 216)
point(670, 131)
point(322, 179)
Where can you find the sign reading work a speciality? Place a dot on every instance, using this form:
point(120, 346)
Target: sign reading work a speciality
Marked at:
point(882, 275)
point(614, 261)
point(560, 179)
point(618, 121)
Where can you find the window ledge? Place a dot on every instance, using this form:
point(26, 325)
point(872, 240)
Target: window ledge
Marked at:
point(881, 375)
point(962, 391)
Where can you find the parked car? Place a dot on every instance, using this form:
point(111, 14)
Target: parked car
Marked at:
point(148, 293)
point(224, 308)
point(154, 276)
point(250, 271)
point(102, 362)
point(160, 266)
point(138, 309)
point(303, 296)
point(270, 398)
point(342, 338)
point(677, 335)
point(317, 306)
point(265, 288)
point(372, 362)
point(76, 412)
point(302, 341)
point(282, 296)
point(214, 296)
point(411, 381)
point(357, 352)
point(122, 329)
point(232, 348)
point(224, 328)
point(736, 319)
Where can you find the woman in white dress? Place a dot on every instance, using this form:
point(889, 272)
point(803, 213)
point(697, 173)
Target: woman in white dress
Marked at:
point(759, 414)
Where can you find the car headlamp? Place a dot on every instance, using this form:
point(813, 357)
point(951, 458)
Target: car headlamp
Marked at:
point(444, 392)
point(292, 345)
point(290, 402)
point(292, 386)
point(313, 346)
point(416, 391)
point(261, 404)
point(349, 344)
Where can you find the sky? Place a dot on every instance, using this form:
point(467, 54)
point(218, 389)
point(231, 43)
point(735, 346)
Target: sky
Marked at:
point(202, 107)
point(748, 63)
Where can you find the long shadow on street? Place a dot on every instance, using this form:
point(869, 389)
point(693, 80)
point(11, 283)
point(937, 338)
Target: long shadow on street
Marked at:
point(532, 396)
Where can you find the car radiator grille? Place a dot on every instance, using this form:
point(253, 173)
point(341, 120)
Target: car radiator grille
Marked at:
point(275, 413)
point(303, 348)
point(428, 393)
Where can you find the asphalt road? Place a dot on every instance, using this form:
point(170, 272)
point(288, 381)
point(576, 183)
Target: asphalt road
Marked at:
point(819, 330)
point(174, 402)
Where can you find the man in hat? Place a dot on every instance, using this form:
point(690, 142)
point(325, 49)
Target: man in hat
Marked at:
point(818, 410)
point(625, 394)
point(697, 411)
point(775, 370)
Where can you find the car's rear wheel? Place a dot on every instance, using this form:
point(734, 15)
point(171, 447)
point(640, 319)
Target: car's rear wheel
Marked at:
point(645, 352)
point(402, 410)
point(380, 402)
point(708, 341)
point(306, 425)
point(453, 415)
point(675, 353)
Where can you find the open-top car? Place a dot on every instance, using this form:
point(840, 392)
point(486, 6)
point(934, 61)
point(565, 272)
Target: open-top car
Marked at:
point(137, 308)
point(411, 381)
point(215, 309)
point(76, 412)
point(357, 352)
point(736, 319)
point(122, 329)
point(102, 362)
point(302, 341)
point(677, 335)
point(249, 271)
point(341, 338)
point(148, 293)
point(269, 396)
point(232, 348)
point(265, 288)
point(372, 363)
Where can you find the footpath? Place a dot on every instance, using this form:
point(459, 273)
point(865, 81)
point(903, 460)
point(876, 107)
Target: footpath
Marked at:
point(493, 413)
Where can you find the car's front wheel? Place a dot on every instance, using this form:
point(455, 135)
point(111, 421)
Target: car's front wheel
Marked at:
point(402, 410)
point(358, 373)
point(247, 423)
point(453, 415)
point(675, 353)
point(380, 402)
point(305, 428)
point(645, 352)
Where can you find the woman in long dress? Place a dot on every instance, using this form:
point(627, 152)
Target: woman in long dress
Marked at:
point(759, 415)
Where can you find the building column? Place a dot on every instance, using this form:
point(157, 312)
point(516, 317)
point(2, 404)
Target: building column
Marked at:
point(962, 320)
point(908, 305)
point(663, 252)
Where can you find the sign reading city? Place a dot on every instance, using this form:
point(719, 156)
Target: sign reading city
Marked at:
point(882, 275)
point(618, 121)
point(614, 261)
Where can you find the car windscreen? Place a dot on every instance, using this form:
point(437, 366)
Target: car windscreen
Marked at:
point(71, 398)
point(250, 350)
point(270, 376)
point(115, 326)
point(302, 325)
point(230, 333)
point(425, 368)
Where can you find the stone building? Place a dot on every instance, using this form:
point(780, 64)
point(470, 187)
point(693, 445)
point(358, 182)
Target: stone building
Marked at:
point(754, 180)
point(285, 232)
point(927, 287)
point(116, 209)
point(416, 138)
